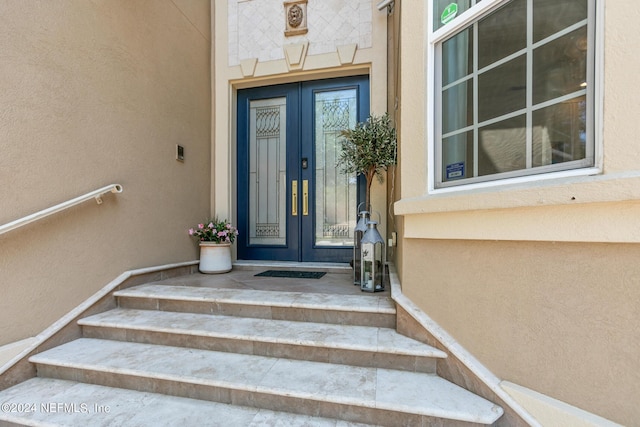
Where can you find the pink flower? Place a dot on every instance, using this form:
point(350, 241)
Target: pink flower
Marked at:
point(210, 225)
point(191, 231)
point(200, 226)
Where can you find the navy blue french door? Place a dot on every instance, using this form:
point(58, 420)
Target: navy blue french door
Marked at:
point(294, 204)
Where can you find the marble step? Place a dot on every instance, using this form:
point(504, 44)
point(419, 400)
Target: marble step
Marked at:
point(51, 403)
point(321, 342)
point(367, 310)
point(351, 393)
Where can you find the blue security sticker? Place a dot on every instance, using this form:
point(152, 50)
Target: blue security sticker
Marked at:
point(455, 170)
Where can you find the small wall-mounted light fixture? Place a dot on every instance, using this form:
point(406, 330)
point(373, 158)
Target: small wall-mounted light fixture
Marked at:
point(179, 153)
point(386, 3)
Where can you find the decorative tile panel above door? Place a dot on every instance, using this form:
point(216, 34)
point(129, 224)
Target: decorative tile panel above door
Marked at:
point(257, 27)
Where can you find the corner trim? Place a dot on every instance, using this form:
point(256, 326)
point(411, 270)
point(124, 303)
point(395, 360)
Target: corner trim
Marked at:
point(466, 358)
point(554, 412)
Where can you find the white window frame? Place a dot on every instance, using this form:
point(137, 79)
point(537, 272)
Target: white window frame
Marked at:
point(595, 74)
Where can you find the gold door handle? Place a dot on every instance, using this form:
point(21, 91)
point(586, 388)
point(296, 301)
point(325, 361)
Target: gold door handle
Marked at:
point(294, 198)
point(305, 197)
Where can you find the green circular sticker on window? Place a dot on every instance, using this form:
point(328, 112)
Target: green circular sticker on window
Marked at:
point(449, 13)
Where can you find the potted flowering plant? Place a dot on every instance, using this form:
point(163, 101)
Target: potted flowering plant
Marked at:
point(215, 238)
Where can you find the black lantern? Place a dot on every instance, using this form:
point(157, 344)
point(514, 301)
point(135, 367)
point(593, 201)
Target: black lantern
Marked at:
point(358, 232)
point(372, 264)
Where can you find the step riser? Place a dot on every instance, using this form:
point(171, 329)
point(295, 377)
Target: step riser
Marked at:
point(252, 398)
point(270, 349)
point(316, 355)
point(380, 320)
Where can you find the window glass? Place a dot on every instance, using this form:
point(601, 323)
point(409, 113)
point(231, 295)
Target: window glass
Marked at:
point(444, 11)
point(560, 66)
point(502, 33)
point(503, 146)
point(559, 132)
point(502, 89)
point(458, 156)
point(551, 16)
point(521, 106)
point(457, 106)
point(457, 57)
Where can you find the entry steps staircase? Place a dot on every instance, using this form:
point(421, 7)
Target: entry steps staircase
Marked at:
point(195, 356)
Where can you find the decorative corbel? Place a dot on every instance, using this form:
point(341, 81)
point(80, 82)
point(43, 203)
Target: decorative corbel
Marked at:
point(248, 66)
point(346, 53)
point(295, 55)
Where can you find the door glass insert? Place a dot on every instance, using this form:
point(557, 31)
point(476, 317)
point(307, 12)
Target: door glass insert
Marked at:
point(335, 191)
point(267, 172)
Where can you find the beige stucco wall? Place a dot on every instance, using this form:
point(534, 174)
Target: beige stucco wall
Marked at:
point(94, 93)
point(538, 280)
point(559, 318)
point(325, 54)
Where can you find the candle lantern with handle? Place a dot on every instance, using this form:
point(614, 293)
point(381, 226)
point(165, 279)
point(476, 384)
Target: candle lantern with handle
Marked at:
point(358, 233)
point(372, 264)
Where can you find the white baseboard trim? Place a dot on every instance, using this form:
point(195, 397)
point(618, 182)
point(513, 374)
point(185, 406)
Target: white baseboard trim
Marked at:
point(11, 350)
point(552, 412)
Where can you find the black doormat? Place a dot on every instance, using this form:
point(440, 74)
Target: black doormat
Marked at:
point(292, 274)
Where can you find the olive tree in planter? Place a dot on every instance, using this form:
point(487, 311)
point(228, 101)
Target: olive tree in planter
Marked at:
point(369, 149)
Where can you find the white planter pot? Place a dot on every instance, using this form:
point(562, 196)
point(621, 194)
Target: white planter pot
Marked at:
point(215, 257)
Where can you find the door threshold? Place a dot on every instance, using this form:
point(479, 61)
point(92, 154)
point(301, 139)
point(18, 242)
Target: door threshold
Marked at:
point(328, 267)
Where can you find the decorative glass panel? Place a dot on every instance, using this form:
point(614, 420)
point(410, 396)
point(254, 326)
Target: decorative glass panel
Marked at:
point(267, 172)
point(336, 192)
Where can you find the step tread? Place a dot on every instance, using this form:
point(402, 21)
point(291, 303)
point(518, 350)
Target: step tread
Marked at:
point(350, 303)
point(86, 404)
point(386, 389)
point(350, 337)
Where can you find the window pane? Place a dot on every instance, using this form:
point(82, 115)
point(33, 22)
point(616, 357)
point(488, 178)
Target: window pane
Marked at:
point(457, 156)
point(502, 33)
point(503, 146)
point(559, 132)
point(551, 16)
point(440, 11)
point(502, 89)
point(457, 107)
point(496, 74)
point(457, 57)
point(560, 67)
